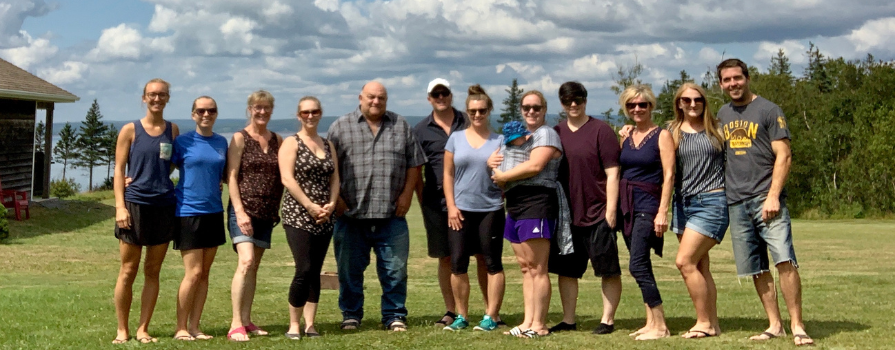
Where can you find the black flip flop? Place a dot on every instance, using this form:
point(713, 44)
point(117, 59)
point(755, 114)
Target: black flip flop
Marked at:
point(704, 334)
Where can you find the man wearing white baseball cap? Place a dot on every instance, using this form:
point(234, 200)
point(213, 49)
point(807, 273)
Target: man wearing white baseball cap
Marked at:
point(432, 134)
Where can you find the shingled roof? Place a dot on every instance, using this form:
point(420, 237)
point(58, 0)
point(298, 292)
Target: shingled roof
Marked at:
point(17, 83)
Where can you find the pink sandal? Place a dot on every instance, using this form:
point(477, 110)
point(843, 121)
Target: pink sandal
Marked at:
point(239, 330)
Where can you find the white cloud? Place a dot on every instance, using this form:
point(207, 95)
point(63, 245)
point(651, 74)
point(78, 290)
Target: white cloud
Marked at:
point(70, 72)
point(36, 50)
point(793, 49)
point(121, 41)
point(875, 34)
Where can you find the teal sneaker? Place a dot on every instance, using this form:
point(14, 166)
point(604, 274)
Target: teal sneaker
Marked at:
point(459, 323)
point(486, 325)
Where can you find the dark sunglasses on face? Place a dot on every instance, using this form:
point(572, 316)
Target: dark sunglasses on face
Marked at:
point(567, 101)
point(202, 111)
point(687, 100)
point(310, 112)
point(642, 105)
point(439, 94)
point(532, 108)
point(482, 111)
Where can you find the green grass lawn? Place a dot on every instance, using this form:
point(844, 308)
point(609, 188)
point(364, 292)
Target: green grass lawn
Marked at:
point(59, 269)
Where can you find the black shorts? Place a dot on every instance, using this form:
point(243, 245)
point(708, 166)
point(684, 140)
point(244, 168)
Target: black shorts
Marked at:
point(597, 243)
point(201, 231)
point(481, 232)
point(150, 225)
point(435, 221)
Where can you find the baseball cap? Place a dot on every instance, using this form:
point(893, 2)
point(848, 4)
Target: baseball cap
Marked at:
point(436, 82)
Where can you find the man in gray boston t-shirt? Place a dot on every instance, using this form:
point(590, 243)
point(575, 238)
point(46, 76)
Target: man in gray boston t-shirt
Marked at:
point(758, 162)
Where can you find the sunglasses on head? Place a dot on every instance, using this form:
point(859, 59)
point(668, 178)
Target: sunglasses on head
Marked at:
point(482, 111)
point(202, 111)
point(310, 112)
point(567, 100)
point(531, 108)
point(687, 100)
point(439, 94)
point(642, 105)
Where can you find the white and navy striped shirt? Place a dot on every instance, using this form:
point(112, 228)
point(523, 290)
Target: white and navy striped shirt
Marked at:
point(700, 166)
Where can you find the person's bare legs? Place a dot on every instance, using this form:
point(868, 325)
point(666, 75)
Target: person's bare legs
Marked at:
point(208, 255)
point(656, 324)
point(444, 283)
point(482, 277)
point(694, 248)
point(460, 290)
point(539, 251)
point(243, 280)
point(767, 292)
point(310, 314)
point(647, 326)
point(568, 295)
point(791, 285)
point(496, 288)
point(612, 295)
point(527, 304)
point(152, 265)
point(124, 286)
point(251, 283)
point(192, 269)
point(295, 315)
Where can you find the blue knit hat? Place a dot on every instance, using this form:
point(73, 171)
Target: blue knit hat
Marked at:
point(514, 130)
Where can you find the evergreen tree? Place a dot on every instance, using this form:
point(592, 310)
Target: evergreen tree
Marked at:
point(65, 149)
point(39, 133)
point(511, 104)
point(90, 142)
point(109, 141)
point(624, 78)
point(665, 101)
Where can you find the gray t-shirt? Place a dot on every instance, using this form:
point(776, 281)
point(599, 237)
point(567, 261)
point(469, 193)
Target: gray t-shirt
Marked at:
point(515, 155)
point(748, 133)
point(473, 188)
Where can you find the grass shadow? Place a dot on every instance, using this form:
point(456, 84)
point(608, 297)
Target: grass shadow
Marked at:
point(59, 216)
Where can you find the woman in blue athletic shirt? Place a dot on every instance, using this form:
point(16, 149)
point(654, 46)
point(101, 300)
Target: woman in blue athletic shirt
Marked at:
point(201, 157)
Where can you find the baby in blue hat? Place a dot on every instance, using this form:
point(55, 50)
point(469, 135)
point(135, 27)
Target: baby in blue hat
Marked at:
point(514, 133)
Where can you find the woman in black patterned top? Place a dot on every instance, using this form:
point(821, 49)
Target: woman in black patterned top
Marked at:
point(309, 171)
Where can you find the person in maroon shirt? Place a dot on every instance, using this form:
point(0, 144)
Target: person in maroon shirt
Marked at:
point(589, 173)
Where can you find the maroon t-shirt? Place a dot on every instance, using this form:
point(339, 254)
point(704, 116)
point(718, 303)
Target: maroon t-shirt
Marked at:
point(588, 151)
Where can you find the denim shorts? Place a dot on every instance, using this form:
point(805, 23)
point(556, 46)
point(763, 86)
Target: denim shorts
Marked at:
point(753, 237)
point(261, 231)
point(705, 213)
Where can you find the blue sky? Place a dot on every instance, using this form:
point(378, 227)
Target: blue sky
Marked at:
point(107, 49)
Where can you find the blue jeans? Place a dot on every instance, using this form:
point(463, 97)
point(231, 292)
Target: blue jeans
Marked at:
point(753, 237)
point(390, 241)
point(640, 264)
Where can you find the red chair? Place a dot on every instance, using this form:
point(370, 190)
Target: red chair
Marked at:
point(15, 200)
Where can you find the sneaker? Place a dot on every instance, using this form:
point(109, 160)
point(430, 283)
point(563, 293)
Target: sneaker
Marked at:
point(486, 325)
point(562, 327)
point(604, 329)
point(459, 323)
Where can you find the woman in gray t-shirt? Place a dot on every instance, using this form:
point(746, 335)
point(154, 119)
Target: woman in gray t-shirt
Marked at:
point(475, 209)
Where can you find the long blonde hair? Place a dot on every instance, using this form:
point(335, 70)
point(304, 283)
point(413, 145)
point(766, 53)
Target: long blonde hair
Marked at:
point(712, 129)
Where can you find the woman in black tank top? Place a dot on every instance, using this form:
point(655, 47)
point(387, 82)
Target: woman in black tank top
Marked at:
point(145, 216)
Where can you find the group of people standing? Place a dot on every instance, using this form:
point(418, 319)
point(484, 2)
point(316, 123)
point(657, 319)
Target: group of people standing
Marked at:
point(557, 194)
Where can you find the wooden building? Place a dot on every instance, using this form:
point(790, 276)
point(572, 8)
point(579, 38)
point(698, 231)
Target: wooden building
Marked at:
point(21, 95)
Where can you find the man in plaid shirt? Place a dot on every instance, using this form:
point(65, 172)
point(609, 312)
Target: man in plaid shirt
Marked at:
point(379, 162)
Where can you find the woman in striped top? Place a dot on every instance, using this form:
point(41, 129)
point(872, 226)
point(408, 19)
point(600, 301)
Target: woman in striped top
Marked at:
point(700, 206)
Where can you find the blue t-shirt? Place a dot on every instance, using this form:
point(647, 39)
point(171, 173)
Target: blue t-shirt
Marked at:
point(201, 161)
point(473, 188)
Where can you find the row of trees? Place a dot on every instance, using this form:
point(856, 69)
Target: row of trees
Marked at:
point(90, 146)
point(841, 114)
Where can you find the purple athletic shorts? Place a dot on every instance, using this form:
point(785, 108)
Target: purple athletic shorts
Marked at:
point(518, 231)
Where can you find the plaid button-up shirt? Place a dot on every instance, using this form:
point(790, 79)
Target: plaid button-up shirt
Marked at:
point(373, 168)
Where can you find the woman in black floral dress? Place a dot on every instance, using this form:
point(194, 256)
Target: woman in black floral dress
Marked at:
point(308, 168)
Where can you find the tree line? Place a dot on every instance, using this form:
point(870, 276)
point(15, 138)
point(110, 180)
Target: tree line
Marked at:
point(90, 146)
point(841, 114)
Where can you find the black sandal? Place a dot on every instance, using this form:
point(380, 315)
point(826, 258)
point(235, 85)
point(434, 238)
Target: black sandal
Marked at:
point(442, 323)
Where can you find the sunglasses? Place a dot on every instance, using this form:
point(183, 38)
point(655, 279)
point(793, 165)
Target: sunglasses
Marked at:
point(567, 101)
point(310, 112)
point(687, 100)
point(482, 111)
point(202, 111)
point(531, 108)
point(439, 94)
point(642, 105)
